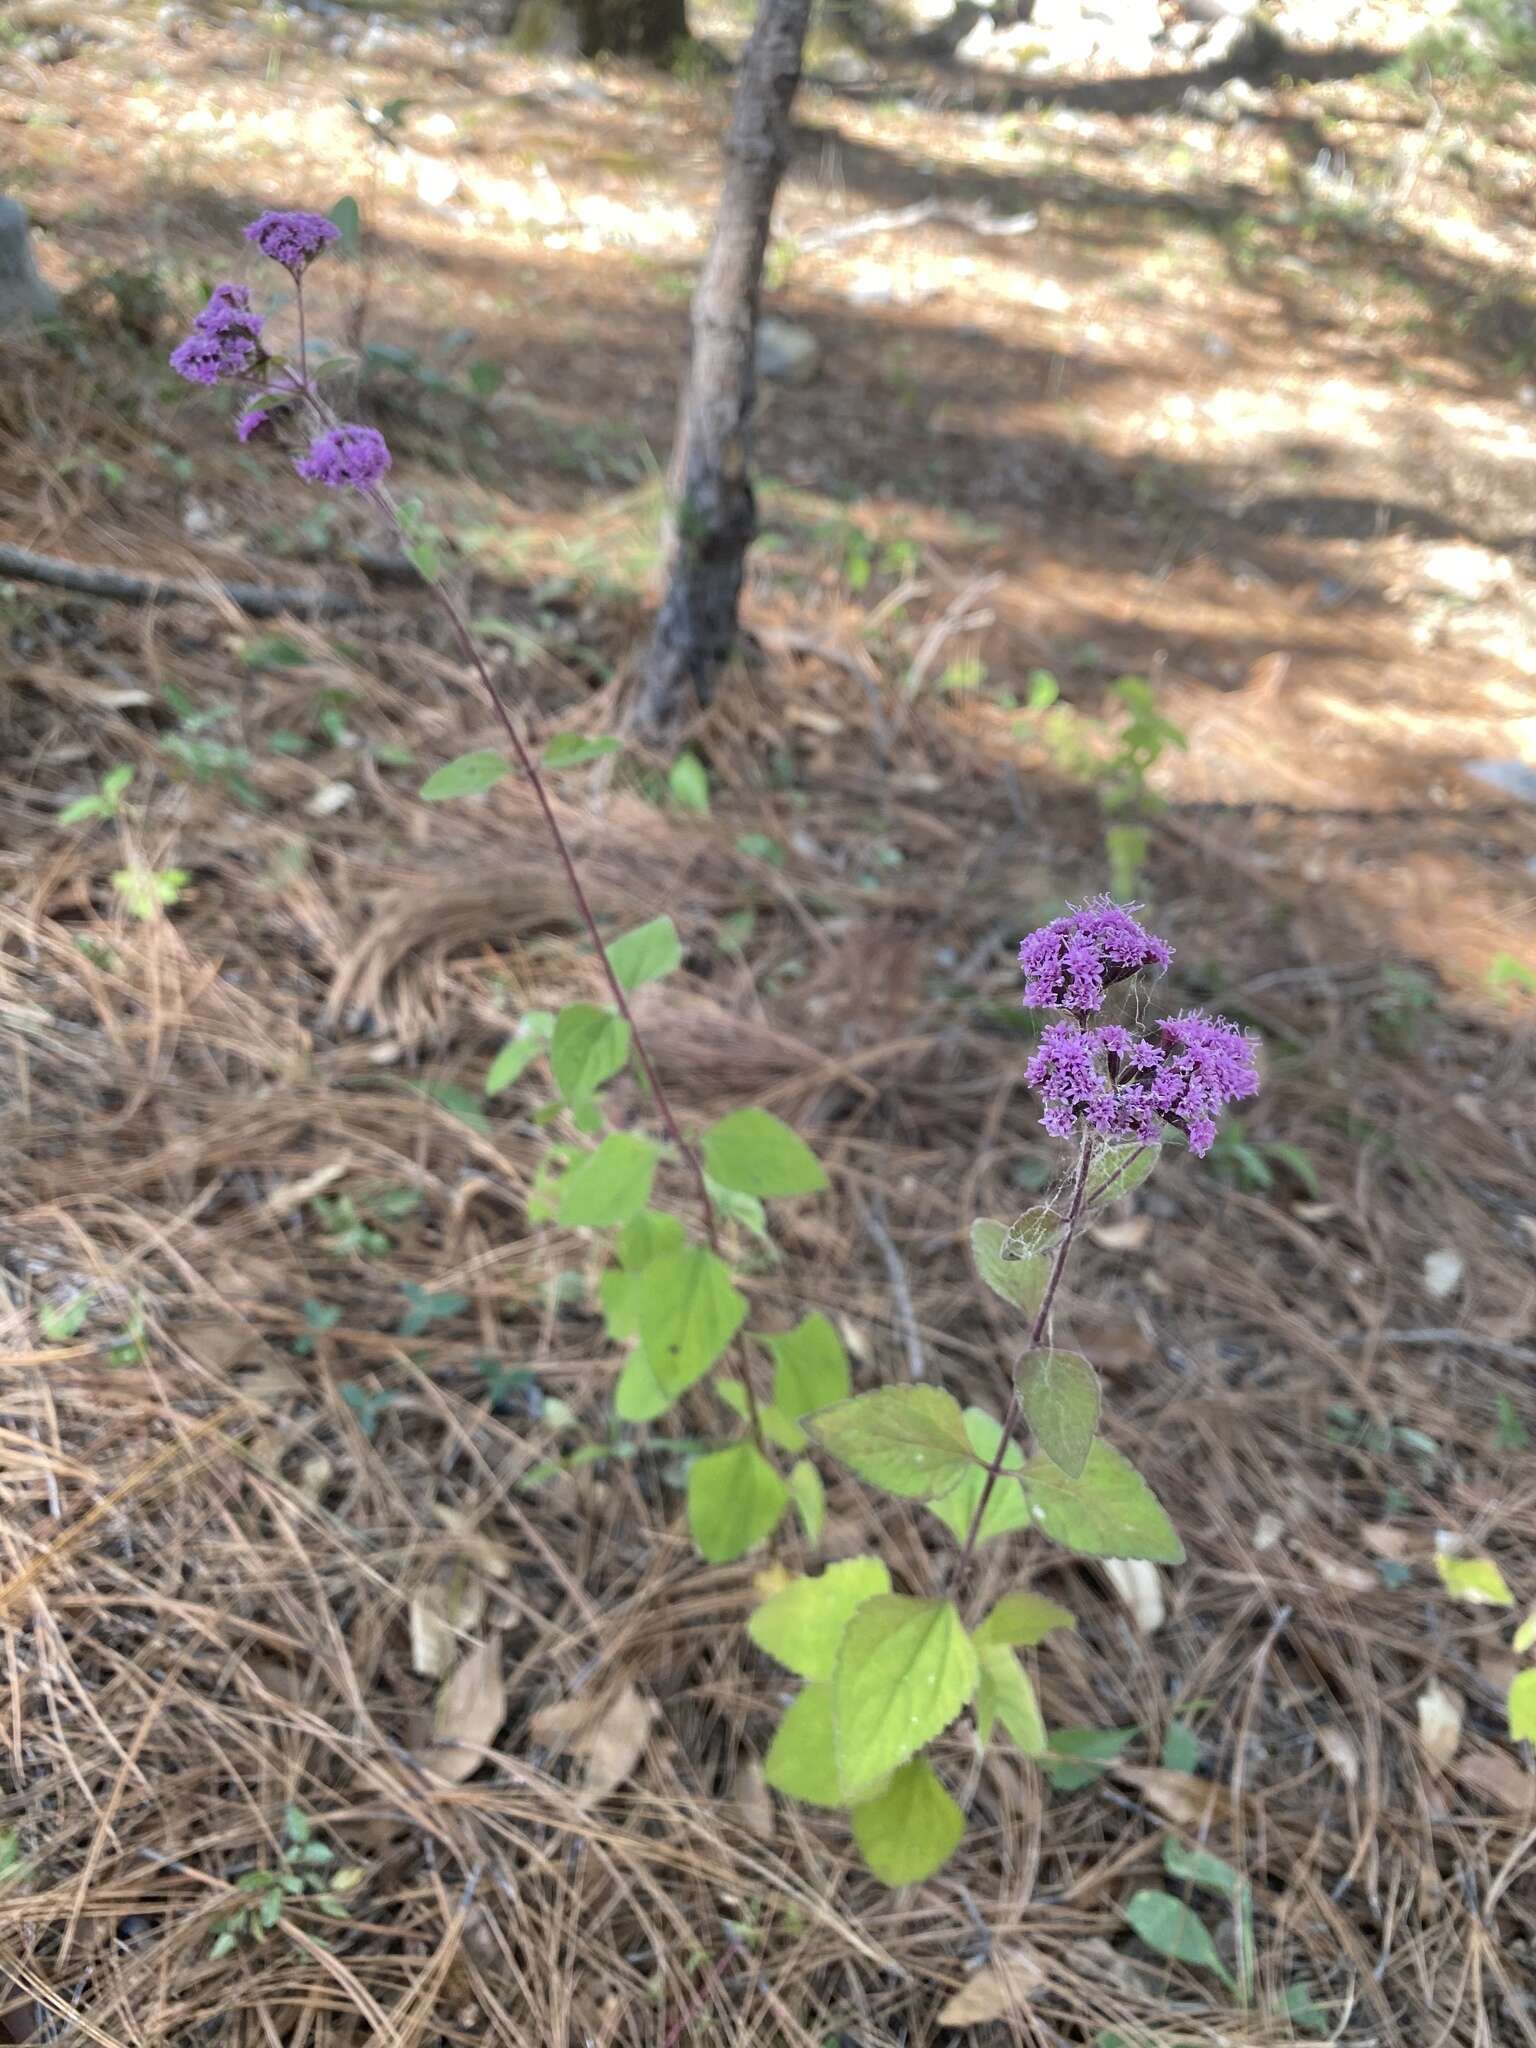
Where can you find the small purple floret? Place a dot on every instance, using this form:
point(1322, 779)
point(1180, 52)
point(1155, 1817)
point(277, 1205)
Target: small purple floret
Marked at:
point(1127, 1087)
point(257, 420)
point(1206, 1063)
point(292, 239)
point(1070, 963)
point(345, 458)
point(225, 340)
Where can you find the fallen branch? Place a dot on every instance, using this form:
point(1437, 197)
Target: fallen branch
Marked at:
point(976, 218)
point(262, 601)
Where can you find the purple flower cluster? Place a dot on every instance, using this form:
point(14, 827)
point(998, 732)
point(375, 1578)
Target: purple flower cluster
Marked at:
point(345, 457)
point(1128, 1087)
point(1121, 1084)
point(225, 340)
point(292, 239)
point(1070, 963)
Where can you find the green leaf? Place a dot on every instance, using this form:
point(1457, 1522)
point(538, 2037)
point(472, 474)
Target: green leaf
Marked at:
point(688, 784)
point(1021, 1619)
point(802, 1759)
point(1476, 1580)
point(1511, 1433)
point(1007, 1509)
point(1200, 1867)
point(909, 1440)
point(1059, 1391)
point(457, 1101)
point(911, 1830)
point(1081, 1756)
point(810, 1371)
point(688, 1313)
point(1005, 1693)
point(587, 1048)
point(617, 1292)
point(905, 1669)
point(274, 650)
point(574, 750)
point(425, 557)
point(754, 1152)
point(1302, 2009)
point(469, 775)
point(1524, 1637)
point(809, 1497)
point(1168, 1925)
point(345, 215)
point(297, 1825)
point(224, 1944)
point(646, 954)
point(1019, 1277)
point(83, 807)
point(776, 1427)
point(646, 1237)
point(744, 1209)
point(424, 1308)
point(637, 1397)
point(1522, 1707)
point(58, 1322)
point(734, 1499)
point(802, 1627)
point(611, 1184)
point(1108, 1511)
point(1119, 1170)
point(1181, 1748)
point(520, 1051)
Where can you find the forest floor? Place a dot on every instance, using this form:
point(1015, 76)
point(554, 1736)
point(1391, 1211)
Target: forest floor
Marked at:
point(1230, 386)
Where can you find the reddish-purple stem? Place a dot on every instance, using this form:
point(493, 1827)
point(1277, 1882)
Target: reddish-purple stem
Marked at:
point(1013, 1416)
point(387, 510)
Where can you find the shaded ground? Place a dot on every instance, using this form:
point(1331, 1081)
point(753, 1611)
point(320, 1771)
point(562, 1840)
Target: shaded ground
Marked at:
point(1262, 438)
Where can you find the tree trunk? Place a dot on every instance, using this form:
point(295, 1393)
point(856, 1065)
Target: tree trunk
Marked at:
point(716, 515)
point(630, 28)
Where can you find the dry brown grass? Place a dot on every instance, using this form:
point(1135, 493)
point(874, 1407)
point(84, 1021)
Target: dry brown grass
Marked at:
point(208, 1569)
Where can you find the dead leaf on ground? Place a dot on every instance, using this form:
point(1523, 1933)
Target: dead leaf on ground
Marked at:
point(1341, 1752)
point(607, 1736)
point(1118, 1344)
point(293, 1194)
point(994, 1992)
point(1130, 1235)
point(1348, 1578)
point(315, 1475)
point(1443, 1270)
point(442, 1614)
point(1140, 1586)
point(470, 1710)
point(1440, 1717)
point(1268, 1530)
point(1497, 1668)
point(1188, 1801)
point(1382, 1539)
point(752, 1801)
point(483, 1552)
point(1499, 1780)
point(219, 1342)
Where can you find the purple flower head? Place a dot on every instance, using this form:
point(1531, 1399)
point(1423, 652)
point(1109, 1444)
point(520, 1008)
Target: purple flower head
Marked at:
point(1205, 1064)
point(345, 457)
point(1126, 1087)
point(225, 340)
point(1069, 963)
point(292, 239)
point(256, 420)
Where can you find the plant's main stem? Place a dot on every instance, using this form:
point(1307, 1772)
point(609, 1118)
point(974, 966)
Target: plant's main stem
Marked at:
point(1037, 1330)
point(387, 510)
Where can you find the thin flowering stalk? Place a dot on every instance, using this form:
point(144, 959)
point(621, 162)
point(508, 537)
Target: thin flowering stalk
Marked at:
point(225, 347)
point(328, 462)
point(1014, 1414)
point(525, 761)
